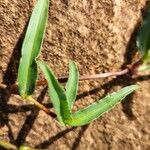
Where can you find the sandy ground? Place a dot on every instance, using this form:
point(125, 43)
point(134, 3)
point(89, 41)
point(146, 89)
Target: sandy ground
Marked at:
point(99, 36)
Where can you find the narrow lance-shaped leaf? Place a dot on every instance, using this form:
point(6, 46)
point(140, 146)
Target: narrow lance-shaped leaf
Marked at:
point(28, 148)
point(57, 94)
point(27, 73)
point(143, 36)
point(86, 115)
point(72, 84)
point(7, 145)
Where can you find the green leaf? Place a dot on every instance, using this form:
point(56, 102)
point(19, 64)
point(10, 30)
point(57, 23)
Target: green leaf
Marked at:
point(28, 148)
point(7, 145)
point(57, 94)
point(27, 73)
point(86, 115)
point(72, 84)
point(143, 36)
point(144, 67)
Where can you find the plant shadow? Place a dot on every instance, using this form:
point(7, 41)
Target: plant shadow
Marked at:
point(52, 139)
point(28, 124)
point(4, 120)
point(76, 143)
point(131, 51)
point(11, 76)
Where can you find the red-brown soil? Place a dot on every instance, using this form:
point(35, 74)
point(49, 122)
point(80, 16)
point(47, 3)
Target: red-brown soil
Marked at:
point(99, 36)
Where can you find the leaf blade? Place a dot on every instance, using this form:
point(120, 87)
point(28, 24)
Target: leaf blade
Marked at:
point(92, 112)
point(28, 148)
point(57, 94)
point(143, 35)
point(7, 145)
point(72, 83)
point(27, 72)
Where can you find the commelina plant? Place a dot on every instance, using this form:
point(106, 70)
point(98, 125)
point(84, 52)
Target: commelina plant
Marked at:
point(64, 98)
point(61, 97)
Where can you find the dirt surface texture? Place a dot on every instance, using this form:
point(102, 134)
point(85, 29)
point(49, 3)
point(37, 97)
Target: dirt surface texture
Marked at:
point(99, 35)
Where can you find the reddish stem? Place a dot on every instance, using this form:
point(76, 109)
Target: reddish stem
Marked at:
point(42, 107)
point(89, 77)
point(104, 75)
point(133, 69)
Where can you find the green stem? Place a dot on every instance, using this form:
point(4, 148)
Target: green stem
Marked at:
point(42, 107)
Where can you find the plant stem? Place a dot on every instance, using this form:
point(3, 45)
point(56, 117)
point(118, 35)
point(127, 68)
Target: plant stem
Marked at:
point(89, 77)
point(104, 75)
point(7, 145)
point(40, 106)
point(132, 69)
